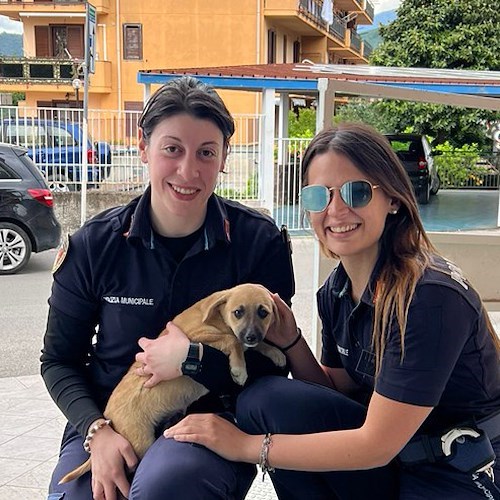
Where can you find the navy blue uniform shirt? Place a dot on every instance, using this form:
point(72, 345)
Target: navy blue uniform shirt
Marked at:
point(119, 276)
point(449, 362)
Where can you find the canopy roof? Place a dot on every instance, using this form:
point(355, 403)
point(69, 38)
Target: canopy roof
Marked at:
point(480, 89)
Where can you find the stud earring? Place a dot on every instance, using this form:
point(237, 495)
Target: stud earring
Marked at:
point(394, 211)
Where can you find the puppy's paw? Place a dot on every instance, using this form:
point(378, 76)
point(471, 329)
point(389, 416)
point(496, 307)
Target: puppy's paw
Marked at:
point(277, 357)
point(273, 353)
point(239, 374)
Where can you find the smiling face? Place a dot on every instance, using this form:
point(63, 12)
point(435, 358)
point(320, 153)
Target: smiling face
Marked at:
point(184, 155)
point(352, 234)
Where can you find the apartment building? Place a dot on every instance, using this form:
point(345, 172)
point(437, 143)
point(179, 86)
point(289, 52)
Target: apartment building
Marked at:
point(157, 34)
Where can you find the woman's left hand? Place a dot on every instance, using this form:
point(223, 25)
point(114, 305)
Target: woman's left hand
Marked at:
point(284, 331)
point(162, 358)
point(218, 435)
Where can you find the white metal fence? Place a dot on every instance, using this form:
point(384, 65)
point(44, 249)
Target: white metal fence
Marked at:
point(53, 137)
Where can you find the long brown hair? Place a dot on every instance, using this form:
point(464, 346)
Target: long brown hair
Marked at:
point(404, 244)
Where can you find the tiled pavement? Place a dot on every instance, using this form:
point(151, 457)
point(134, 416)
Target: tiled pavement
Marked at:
point(30, 432)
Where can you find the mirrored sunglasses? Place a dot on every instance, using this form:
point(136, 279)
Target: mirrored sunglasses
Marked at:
point(355, 194)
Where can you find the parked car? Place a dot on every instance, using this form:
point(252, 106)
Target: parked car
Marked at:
point(27, 219)
point(415, 153)
point(56, 148)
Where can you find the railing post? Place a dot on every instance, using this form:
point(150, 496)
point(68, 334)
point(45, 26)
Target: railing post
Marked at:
point(267, 171)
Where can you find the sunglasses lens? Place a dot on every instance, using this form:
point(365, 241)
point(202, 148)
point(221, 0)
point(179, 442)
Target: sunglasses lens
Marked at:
point(356, 194)
point(315, 198)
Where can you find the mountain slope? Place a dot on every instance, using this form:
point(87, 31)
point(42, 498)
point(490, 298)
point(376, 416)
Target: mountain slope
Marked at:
point(370, 33)
point(11, 44)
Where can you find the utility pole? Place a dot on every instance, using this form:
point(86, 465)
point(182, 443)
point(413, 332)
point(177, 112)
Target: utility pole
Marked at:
point(88, 67)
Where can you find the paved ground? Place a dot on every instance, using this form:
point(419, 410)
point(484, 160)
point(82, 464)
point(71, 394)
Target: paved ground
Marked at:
point(31, 425)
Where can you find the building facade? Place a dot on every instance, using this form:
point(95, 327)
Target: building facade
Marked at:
point(133, 36)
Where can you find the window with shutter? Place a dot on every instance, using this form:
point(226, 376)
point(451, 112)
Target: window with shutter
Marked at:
point(132, 41)
point(42, 47)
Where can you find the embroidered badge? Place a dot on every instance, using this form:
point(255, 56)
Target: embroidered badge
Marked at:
point(61, 253)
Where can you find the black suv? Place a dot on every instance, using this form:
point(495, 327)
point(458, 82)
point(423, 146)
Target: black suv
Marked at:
point(415, 153)
point(27, 219)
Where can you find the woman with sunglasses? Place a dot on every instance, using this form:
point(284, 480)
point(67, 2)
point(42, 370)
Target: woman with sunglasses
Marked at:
point(405, 403)
point(129, 271)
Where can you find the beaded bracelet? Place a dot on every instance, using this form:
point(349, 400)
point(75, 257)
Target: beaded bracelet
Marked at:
point(264, 456)
point(92, 431)
point(294, 342)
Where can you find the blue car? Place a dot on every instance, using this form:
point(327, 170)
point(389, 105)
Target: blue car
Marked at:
point(57, 150)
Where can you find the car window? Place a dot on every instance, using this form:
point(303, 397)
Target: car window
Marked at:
point(6, 172)
point(59, 137)
point(27, 136)
point(407, 149)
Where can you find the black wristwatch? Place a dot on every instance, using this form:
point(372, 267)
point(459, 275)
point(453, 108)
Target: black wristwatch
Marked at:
point(192, 365)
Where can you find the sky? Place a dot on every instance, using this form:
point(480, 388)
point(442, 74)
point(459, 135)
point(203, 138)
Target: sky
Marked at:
point(385, 5)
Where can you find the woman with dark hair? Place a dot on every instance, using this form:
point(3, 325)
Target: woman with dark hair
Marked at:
point(129, 271)
point(406, 401)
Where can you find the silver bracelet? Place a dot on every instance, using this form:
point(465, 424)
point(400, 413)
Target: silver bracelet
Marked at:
point(264, 455)
point(92, 431)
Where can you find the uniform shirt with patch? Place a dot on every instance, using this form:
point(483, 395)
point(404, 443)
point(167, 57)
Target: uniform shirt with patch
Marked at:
point(120, 277)
point(450, 361)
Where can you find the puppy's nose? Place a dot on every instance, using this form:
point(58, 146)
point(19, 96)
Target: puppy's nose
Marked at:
point(251, 338)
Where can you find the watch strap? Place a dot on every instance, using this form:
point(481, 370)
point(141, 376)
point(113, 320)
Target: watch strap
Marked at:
point(192, 364)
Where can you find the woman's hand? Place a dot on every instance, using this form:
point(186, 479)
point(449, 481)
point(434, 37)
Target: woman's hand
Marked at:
point(218, 435)
point(284, 331)
point(112, 455)
point(162, 357)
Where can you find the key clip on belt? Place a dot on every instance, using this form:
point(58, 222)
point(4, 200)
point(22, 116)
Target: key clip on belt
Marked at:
point(468, 455)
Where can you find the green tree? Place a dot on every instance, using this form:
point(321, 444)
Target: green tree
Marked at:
point(366, 111)
point(302, 124)
point(18, 96)
point(453, 34)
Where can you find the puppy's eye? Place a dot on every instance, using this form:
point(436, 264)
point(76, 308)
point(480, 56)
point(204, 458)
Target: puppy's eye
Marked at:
point(238, 313)
point(262, 312)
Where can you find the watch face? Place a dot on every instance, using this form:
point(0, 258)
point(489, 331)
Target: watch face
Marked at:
point(191, 367)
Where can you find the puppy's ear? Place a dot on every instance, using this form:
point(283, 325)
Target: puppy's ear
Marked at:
point(213, 305)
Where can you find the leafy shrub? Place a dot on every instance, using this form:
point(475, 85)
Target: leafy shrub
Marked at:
point(459, 167)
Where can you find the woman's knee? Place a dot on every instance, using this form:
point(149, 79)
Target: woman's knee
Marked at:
point(281, 405)
point(188, 471)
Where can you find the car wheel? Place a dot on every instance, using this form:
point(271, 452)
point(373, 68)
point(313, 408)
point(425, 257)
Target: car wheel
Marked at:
point(423, 196)
point(15, 248)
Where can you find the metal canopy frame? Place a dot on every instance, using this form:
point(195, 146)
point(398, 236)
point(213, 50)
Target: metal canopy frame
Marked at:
point(462, 88)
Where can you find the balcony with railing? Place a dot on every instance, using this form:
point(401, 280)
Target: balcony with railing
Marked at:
point(363, 8)
point(45, 73)
point(300, 16)
point(16, 8)
point(337, 29)
point(367, 50)
point(352, 50)
point(356, 42)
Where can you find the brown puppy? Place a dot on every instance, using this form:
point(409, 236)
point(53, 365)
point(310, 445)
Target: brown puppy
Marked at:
point(230, 321)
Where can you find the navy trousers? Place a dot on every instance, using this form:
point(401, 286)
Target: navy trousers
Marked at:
point(283, 406)
point(168, 470)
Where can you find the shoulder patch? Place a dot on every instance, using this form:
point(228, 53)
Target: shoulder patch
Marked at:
point(61, 253)
point(457, 274)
